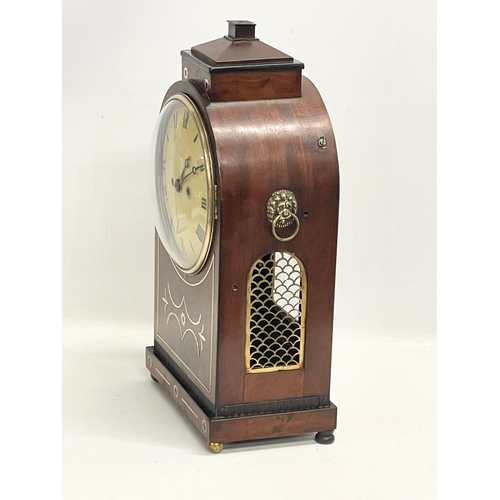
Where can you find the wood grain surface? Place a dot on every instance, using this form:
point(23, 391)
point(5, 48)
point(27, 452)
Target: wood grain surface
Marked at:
point(261, 146)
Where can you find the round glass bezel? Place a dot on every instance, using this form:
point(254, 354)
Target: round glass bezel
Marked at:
point(160, 209)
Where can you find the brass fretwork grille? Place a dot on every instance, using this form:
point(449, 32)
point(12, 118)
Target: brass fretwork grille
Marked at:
point(276, 307)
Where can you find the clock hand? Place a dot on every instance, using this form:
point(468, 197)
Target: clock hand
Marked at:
point(186, 164)
point(178, 182)
point(193, 171)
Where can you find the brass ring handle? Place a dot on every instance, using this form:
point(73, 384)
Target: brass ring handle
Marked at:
point(277, 219)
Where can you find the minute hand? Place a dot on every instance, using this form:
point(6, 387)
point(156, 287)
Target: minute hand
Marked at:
point(193, 171)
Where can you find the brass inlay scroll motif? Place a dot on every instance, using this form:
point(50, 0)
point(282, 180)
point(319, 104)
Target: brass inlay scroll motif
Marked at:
point(181, 316)
point(276, 312)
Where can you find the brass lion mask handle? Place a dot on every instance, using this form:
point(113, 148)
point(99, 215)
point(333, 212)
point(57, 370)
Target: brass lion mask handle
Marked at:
point(281, 212)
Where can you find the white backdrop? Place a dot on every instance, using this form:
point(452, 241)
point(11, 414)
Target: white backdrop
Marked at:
point(375, 66)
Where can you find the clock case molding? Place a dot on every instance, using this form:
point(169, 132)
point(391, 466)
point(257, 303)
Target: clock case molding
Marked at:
point(269, 130)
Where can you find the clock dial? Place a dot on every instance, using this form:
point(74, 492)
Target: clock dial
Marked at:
point(183, 185)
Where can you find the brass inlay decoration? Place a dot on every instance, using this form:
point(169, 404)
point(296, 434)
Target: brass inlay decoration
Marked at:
point(276, 313)
point(206, 384)
point(196, 283)
point(195, 327)
point(162, 376)
point(189, 408)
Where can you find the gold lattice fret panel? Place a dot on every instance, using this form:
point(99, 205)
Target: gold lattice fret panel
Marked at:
point(276, 308)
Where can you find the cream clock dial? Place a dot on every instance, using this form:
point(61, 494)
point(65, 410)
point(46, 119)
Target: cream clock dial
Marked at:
point(181, 163)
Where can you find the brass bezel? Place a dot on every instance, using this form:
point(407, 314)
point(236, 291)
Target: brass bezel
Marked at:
point(207, 152)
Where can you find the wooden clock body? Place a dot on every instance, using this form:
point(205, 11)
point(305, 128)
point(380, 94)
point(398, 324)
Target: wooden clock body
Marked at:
point(269, 131)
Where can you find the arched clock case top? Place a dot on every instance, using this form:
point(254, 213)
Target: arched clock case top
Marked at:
point(269, 132)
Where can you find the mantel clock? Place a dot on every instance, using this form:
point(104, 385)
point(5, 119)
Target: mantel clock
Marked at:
point(246, 192)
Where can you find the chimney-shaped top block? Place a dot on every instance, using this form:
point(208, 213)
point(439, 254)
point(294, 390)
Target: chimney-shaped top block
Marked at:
point(241, 30)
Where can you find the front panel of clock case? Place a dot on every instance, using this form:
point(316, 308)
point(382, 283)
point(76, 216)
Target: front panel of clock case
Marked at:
point(186, 306)
point(205, 324)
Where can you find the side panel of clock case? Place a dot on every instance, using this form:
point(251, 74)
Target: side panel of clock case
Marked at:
point(264, 146)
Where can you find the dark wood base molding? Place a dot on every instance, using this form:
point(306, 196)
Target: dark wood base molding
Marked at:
point(280, 406)
point(167, 361)
point(220, 430)
point(241, 410)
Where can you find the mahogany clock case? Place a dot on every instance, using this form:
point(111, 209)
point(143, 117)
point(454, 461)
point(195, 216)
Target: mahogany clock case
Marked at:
point(259, 146)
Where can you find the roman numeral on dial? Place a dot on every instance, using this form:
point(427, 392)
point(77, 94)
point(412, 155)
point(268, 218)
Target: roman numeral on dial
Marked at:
point(200, 232)
point(185, 118)
point(204, 203)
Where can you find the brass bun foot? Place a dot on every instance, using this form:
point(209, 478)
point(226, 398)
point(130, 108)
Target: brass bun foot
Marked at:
point(215, 447)
point(154, 378)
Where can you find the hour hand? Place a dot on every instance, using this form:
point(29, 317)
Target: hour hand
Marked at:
point(178, 182)
point(186, 166)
